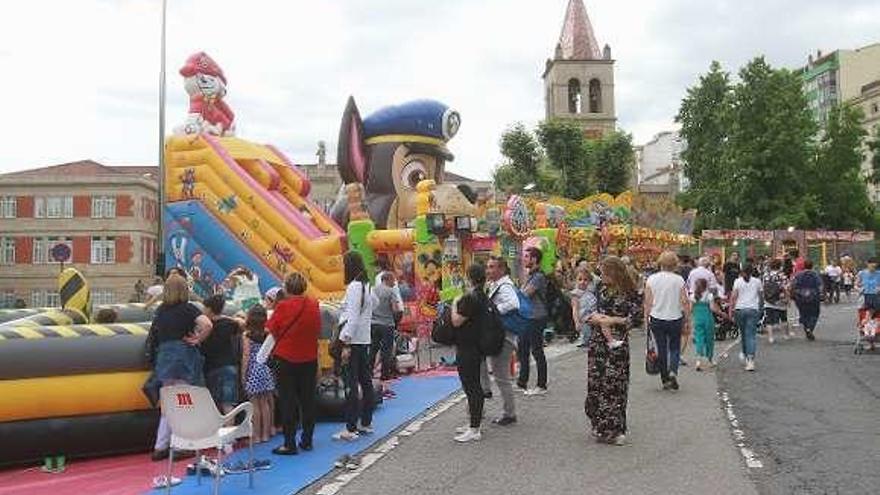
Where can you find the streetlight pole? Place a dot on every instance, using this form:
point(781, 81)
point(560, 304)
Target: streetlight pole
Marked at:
point(160, 263)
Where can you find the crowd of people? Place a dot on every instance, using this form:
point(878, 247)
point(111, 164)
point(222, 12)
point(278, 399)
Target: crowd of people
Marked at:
point(678, 299)
point(267, 353)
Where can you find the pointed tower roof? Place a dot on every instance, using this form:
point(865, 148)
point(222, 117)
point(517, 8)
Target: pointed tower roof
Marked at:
point(577, 40)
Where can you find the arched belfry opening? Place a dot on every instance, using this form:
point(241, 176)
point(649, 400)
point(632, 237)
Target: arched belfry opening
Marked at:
point(595, 96)
point(574, 96)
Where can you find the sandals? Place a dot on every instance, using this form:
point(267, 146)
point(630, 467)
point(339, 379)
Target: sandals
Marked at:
point(164, 481)
point(347, 462)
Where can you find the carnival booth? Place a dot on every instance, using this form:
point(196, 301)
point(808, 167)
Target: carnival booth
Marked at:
point(821, 246)
point(595, 226)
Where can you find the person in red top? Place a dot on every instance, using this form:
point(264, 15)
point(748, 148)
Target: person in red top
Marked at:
point(798, 262)
point(295, 325)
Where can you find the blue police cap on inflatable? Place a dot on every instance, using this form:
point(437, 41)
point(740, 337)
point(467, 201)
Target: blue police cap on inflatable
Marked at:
point(421, 121)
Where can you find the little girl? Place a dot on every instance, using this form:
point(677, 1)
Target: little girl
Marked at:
point(583, 306)
point(259, 383)
point(704, 307)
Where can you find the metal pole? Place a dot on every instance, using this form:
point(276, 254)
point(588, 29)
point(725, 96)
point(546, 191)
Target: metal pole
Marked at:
point(161, 215)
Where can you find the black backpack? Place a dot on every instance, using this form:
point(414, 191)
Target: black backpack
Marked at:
point(492, 331)
point(772, 289)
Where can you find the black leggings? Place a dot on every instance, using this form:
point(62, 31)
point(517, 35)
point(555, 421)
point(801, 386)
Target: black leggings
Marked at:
point(297, 384)
point(469, 374)
point(357, 374)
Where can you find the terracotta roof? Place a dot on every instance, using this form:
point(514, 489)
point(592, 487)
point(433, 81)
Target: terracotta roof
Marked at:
point(83, 168)
point(577, 40)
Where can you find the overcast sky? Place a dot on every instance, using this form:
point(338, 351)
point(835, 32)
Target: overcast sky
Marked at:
point(79, 78)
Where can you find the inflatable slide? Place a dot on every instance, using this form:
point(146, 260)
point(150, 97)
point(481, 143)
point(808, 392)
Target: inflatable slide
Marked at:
point(231, 203)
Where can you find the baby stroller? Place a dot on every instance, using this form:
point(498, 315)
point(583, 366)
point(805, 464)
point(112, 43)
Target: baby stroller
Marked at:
point(867, 330)
point(724, 327)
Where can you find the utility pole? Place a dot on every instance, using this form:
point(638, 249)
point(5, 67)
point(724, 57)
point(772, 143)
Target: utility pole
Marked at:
point(160, 262)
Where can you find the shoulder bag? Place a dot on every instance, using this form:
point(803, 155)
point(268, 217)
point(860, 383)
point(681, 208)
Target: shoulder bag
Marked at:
point(266, 354)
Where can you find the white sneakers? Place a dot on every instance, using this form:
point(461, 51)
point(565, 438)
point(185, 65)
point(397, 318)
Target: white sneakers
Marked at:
point(469, 435)
point(750, 364)
point(348, 436)
point(535, 391)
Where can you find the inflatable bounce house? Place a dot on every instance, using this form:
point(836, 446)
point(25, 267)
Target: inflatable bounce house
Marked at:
point(73, 387)
point(233, 203)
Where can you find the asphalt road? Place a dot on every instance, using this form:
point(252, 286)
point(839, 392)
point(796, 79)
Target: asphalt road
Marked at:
point(811, 413)
point(678, 443)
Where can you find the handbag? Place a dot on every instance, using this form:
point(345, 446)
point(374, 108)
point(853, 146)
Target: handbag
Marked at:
point(442, 331)
point(336, 344)
point(652, 366)
point(267, 349)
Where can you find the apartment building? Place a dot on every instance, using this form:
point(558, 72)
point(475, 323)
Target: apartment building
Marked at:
point(837, 77)
point(106, 216)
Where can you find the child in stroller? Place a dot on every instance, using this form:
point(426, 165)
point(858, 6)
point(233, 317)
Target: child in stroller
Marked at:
point(867, 330)
point(724, 326)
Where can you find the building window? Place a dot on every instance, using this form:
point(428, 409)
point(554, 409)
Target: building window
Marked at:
point(103, 250)
point(574, 96)
point(7, 207)
point(44, 298)
point(103, 297)
point(148, 250)
point(43, 248)
point(595, 96)
point(54, 206)
point(7, 251)
point(7, 299)
point(103, 207)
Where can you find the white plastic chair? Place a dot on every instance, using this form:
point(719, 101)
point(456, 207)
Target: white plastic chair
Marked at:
point(196, 424)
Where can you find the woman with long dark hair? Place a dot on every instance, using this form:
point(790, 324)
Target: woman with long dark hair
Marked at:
point(745, 301)
point(608, 368)
point(354, 332)
point(469, 315)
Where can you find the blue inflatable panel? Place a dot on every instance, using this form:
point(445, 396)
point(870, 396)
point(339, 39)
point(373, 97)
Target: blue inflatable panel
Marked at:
point(206, 249)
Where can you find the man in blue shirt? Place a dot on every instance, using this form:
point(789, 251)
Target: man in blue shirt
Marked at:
point(868, 283)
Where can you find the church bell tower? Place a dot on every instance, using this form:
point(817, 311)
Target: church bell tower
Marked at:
point(579, 79)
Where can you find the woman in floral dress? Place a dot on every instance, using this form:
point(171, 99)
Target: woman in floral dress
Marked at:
point(608, 368)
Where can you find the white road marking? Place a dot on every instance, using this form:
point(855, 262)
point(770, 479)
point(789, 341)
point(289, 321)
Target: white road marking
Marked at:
point(751, 458)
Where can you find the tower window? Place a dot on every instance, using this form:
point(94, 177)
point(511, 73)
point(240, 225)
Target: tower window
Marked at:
point(595, 96)
point(574, 96)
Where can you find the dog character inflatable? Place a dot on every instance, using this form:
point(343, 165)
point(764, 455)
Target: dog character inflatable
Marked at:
point(206, 85)
point(390, 152)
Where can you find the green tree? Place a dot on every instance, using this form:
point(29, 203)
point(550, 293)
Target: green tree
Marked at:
point(522, 155)
point(564, 145)
point(839, 185)
point(770, 149)
point(612, 160)
point(703, 116)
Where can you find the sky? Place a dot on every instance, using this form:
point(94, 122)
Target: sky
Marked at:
point(79, 78)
